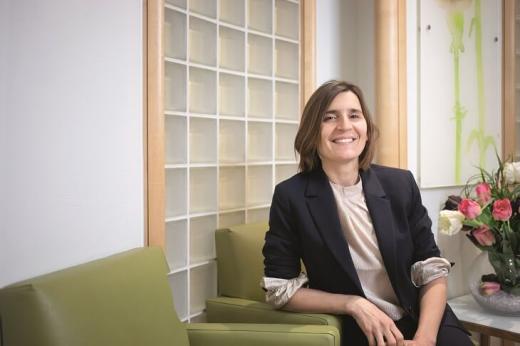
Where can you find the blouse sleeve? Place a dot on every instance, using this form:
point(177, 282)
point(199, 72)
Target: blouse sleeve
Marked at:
point(423, 272)
point(279, 291)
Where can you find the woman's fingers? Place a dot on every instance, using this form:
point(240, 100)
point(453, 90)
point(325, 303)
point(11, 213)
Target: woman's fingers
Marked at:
point(399, 338)
point(390, 339)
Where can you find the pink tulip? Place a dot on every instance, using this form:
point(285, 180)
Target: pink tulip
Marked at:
point(489, 288)
point(502, 209)
point(483, 191)
point(469, 208)
point(484, 236)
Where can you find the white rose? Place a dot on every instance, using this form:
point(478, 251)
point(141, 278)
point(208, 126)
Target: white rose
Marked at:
point(512, 172)
point(450, 221)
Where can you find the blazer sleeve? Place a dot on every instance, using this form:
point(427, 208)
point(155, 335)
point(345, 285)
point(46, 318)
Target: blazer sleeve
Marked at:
point(420, 226)
point(281, 250)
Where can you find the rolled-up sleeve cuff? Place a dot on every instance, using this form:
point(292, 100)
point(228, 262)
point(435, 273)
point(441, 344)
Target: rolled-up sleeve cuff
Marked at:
point(423, 272)
point(279, 291)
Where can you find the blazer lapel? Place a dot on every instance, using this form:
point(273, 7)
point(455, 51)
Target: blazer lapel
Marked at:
point(322, 206)
point(382, 219)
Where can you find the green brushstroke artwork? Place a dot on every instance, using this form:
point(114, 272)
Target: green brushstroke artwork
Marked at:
point(455, 20)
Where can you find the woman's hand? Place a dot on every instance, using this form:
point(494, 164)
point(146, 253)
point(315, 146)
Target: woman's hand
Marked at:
point(376, 325)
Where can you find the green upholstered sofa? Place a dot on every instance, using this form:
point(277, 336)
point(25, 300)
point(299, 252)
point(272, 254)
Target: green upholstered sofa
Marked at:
point(124, 299)
point(240, 269)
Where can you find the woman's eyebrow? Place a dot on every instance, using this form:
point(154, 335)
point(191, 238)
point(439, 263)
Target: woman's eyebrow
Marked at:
point(336, 111)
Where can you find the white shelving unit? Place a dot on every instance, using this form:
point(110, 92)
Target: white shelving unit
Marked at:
point(232, 86)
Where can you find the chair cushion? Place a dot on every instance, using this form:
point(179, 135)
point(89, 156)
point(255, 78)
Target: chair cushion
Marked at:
point(123, 299)
point(240, 261)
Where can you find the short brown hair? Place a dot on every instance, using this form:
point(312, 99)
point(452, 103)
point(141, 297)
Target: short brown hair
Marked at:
point(308, 136)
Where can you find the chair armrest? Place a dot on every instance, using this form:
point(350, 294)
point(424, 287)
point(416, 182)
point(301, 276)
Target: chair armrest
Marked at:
point(245, 334)
point(237, 310)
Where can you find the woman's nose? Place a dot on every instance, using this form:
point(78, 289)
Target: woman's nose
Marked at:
point(344, 122)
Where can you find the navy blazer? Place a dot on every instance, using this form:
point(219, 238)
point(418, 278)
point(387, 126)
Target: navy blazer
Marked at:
point(304, 224)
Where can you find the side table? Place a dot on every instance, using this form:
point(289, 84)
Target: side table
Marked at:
point(487, 323)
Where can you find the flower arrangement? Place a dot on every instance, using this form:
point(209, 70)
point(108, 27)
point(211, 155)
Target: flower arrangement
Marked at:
point(488, 212)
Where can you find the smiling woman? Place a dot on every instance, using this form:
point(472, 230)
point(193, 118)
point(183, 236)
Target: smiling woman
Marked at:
point(347, 219)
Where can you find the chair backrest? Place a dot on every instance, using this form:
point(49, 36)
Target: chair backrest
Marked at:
point(124, 299)
point(240, 261)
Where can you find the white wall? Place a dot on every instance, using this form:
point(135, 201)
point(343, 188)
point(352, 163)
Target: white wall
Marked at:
point(71, 145)
point(345, 44)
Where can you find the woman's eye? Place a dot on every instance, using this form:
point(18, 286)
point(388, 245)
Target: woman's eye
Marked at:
point(354, 115)
point(329, 117)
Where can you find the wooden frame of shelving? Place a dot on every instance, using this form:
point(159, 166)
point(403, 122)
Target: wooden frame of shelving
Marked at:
point(509, 87)
point(390, 83)
point(155, 174)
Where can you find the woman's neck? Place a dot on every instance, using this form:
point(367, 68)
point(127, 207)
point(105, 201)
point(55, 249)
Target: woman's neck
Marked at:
point(344, 175)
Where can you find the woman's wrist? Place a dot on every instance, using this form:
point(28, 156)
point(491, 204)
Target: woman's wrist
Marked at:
point(351, 304)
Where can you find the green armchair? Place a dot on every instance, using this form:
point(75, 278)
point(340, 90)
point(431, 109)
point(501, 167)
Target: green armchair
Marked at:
point(125, 299)
point(240, 269)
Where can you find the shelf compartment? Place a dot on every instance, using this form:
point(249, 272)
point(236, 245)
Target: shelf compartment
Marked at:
point(287, 60)
point(203, 140)
point(231, 92)
point(204, 7)
point(203, 86)
point(175, 87)
point(178, 3)
point(285, 171)
point(287, 19)
point(176, 182)
point(203, 282)
point(174, 34)
point(287, 101)
point(176, 244)
point(179, 286)
point(259, 98)
point(232, 141)
point(260, 141)
point(258, 215)
point(203, 48)
point(232, 187)
point(231, 219)
point(175, 127)
point(233, 12)
point(231, 49)
point(260, 15)
point(260, 53)
point(259, 185)
point(202, 238)
point(284, 141)
point(203, 190)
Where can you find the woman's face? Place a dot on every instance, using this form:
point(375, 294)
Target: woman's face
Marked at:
point(343, 132)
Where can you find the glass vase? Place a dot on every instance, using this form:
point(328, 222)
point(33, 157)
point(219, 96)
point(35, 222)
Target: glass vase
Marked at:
point(500, 302)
